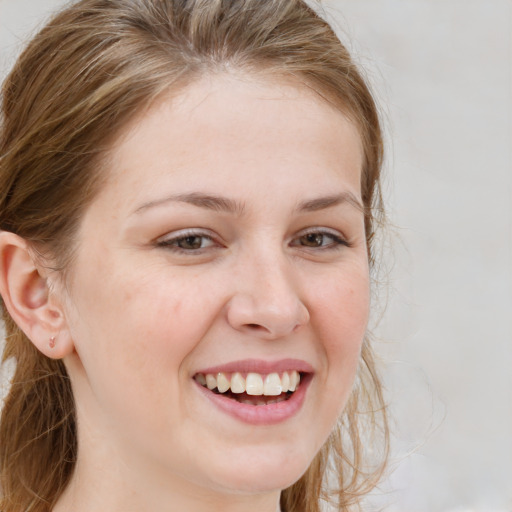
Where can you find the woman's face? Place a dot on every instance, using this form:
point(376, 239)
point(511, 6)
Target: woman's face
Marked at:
point(227, 248)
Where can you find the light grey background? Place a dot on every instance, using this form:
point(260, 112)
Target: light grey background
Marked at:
point(442, 70)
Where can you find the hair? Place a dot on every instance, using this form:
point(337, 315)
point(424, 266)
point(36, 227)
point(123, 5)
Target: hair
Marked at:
point(87, 73)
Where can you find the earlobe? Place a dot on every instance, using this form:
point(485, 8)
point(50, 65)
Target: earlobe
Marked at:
point(28, 299)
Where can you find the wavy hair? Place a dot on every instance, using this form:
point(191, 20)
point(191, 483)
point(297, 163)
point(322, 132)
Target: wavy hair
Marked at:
point(90, 70)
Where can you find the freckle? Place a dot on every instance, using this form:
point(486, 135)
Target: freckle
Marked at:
point(127, 295)
point(177, 307)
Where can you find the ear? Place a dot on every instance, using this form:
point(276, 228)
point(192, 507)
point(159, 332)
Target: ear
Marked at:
point(28, 299)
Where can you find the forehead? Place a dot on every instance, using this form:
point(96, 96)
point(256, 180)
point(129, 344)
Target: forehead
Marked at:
point(235, 129)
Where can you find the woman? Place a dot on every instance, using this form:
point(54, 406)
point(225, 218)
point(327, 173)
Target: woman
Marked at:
point(187, 200)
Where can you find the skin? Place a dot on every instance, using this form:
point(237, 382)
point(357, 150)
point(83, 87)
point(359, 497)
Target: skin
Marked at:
point(143, 317)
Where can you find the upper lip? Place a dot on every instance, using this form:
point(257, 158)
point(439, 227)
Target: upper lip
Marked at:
point(259, 366)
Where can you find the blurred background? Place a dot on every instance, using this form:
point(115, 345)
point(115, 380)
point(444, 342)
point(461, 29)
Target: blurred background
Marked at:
point(442, 70)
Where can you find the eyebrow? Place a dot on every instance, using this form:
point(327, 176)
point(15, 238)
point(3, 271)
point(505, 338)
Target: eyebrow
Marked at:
point(323, 203)
point(227, 205)
point(207, 201)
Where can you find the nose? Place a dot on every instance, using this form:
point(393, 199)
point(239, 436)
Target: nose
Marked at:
point(267, 303)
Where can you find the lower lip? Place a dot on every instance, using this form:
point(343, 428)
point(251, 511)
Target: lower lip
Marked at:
point(260, 414)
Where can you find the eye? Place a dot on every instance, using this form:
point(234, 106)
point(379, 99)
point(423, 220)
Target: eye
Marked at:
point(320, 239)
point(187, 242)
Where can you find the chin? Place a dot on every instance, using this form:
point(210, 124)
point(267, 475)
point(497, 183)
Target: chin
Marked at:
point(258, 483)
point(257, 473)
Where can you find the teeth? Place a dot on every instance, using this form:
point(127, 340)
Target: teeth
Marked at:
point(201, 379)
point(254, 384)
point(272, 385)
point(237, 383)
point(294, 380)
point(285, 382)
point(223, 383)
point(211, 381)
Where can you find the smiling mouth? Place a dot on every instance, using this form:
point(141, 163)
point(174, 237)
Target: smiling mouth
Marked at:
point(252, 388)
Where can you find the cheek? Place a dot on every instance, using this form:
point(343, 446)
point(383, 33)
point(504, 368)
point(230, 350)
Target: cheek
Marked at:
point(341, 322)
point(143, 321)
point(343, 307)
point(133, 335)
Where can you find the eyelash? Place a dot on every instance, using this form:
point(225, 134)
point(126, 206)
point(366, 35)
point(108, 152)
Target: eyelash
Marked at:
point(337, 241)
point(173, 242)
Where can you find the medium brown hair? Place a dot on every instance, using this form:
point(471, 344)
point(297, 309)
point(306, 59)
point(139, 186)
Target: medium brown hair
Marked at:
point(90, 70)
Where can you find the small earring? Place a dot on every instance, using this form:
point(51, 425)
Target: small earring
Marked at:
point(52, 342)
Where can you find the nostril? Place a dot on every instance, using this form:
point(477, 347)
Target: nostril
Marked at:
point(255, 327)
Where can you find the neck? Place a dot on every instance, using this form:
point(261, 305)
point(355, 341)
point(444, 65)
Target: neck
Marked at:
point(113, 474)
point(105, 478)
point(119, 498)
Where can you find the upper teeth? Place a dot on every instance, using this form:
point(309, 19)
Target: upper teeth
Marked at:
point(271, 384)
